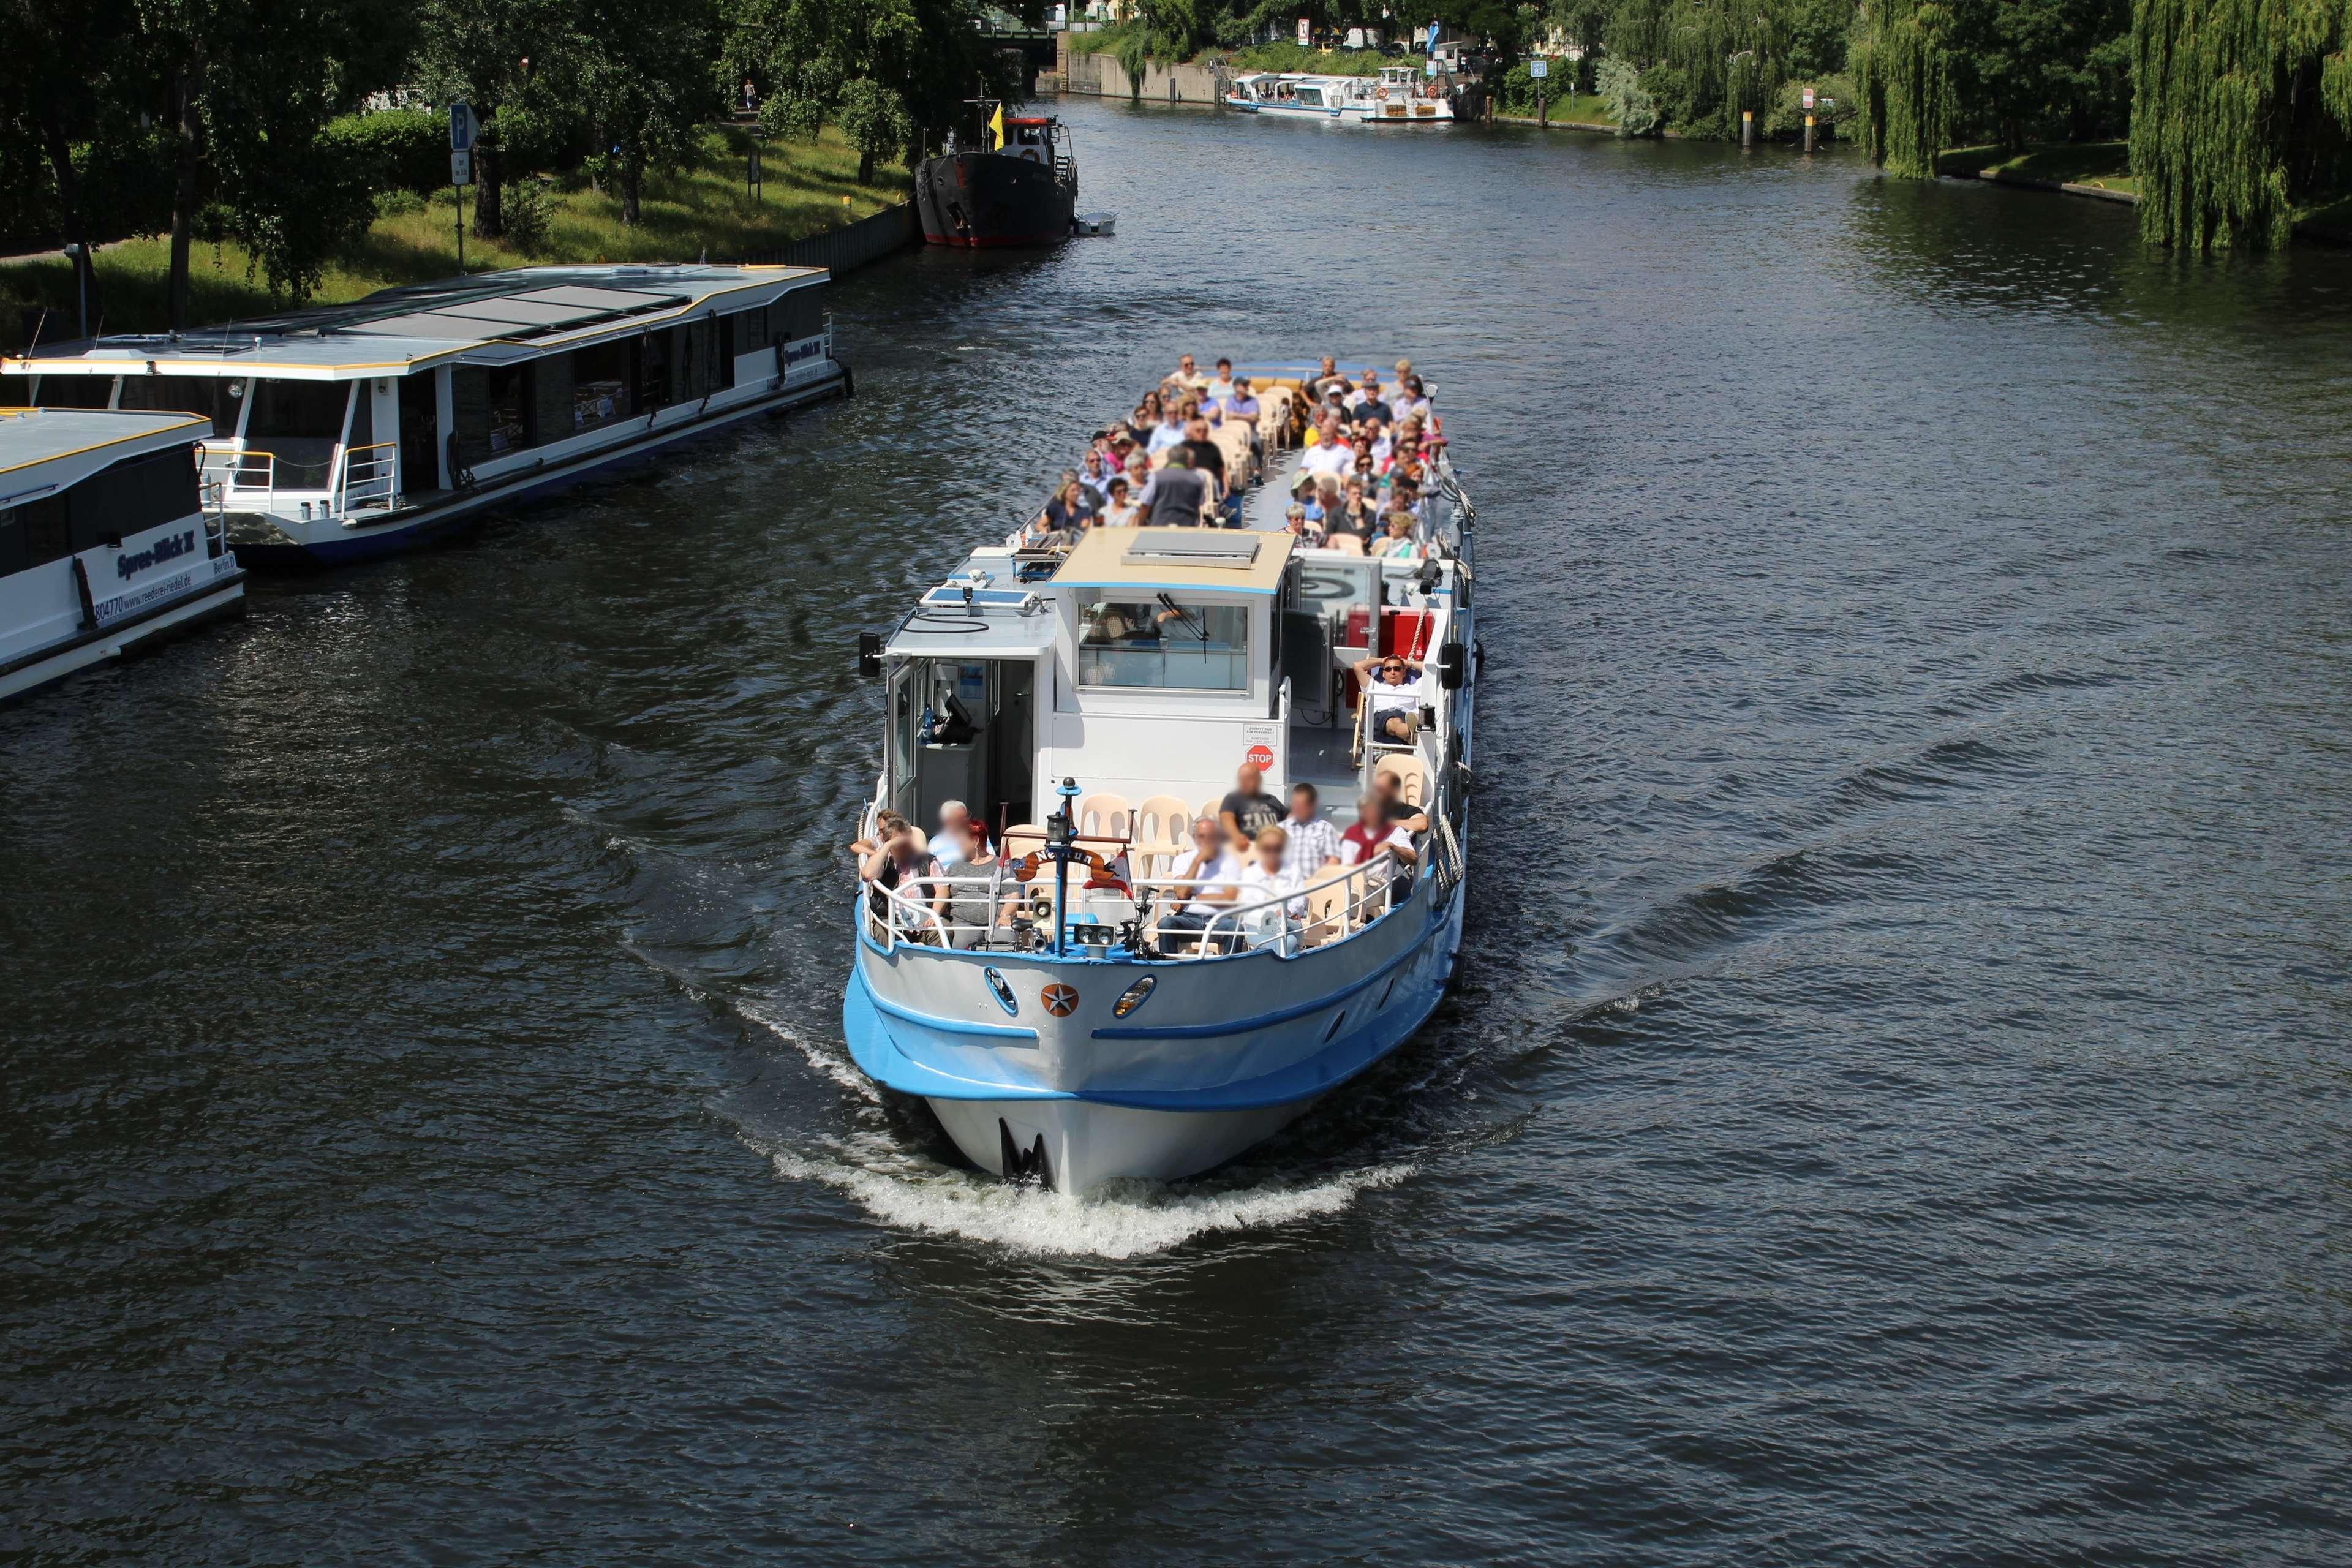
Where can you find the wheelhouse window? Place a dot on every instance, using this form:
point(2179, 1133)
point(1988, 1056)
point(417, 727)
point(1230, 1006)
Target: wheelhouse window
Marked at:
point(298, 423)
point(1163, 643)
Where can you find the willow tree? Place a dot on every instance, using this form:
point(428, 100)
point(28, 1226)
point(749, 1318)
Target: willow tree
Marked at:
point(2240, 107)
point(1731, 57)
point(1900, 57)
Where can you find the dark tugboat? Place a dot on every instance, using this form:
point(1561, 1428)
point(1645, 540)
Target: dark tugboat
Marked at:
point(1022, 191)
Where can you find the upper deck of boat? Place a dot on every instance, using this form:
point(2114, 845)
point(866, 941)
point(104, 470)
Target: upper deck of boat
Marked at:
point(31, 438)
point(489, 318)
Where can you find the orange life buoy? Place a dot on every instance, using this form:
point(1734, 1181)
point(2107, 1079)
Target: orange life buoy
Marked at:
point(1029, 156)
point(1381, 93)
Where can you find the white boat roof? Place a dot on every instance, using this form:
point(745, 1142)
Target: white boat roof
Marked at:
point(1213, 559)
point(1003, 619)
point(43, 449)
point(490, 318)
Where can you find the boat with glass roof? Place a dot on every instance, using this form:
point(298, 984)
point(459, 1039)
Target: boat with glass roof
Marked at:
point(1083, 1010)
point(358, 429)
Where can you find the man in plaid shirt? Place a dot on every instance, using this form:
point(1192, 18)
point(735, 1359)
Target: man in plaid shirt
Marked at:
point(1314, 842)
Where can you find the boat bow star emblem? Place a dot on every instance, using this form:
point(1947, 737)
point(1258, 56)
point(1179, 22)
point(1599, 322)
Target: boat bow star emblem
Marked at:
point(1061, 1001)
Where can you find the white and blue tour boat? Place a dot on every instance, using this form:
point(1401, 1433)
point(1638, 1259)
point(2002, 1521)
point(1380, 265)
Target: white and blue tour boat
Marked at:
point(104, 543)
point(1399, 95)
point(1091, 706)
point(357, 429)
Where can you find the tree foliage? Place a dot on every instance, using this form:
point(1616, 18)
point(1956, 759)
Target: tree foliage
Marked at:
point(1902, 63)
point(2239, 107)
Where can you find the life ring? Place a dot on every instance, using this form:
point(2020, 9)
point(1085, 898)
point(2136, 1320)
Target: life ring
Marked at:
point(1381, 93)
point(1029, 156)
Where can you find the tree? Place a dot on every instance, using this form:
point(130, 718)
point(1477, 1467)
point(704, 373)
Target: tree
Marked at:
point(1901, 62)
point(874, 119)
point(71, 78)
point(2240, 107)
point(494, 54)
point(805, 54)
point(648, 86)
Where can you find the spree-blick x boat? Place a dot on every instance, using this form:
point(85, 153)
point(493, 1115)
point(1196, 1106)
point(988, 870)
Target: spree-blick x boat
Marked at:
point(1095, 703)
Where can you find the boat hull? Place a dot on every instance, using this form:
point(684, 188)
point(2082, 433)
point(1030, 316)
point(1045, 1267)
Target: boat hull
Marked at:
point(1176, 1087)
point(993, 199)
point(269, 543)
point(220, 591)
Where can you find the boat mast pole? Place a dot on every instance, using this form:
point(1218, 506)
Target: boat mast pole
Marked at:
point(1061, 838)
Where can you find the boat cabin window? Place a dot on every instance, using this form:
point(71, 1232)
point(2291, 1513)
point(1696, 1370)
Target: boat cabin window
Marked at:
point(16, 392)
point(74, 391)
point(217, 397)
point(131, 497)
point(298, 423)
point(601, 386)
point(1311, 96)
point(1165, 643)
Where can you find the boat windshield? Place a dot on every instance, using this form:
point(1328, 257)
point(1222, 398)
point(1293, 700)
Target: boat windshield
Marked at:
point(1165, 643)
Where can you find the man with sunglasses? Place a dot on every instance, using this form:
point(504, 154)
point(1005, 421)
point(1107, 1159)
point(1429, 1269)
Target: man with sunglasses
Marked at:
point(1393, 697)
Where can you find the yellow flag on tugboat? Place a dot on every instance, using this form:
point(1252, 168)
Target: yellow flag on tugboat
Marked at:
point(996, 130)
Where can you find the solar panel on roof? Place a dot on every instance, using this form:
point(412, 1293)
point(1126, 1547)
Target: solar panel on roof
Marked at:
point(519, 312)
point(423, 325)
point(581, 295)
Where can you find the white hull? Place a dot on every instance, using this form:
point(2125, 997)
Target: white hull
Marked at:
point(1086, 1143)
point(114, 645)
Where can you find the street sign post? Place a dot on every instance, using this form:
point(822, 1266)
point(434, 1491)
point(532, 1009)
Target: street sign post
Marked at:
point(461, 167)
point(1539, 70)
point(1306, 33)
point(1809, 98)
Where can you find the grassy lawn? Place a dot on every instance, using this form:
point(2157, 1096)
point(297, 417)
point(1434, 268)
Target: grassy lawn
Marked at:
point(415, 240)
point(1576, 108)
point(2103, 165)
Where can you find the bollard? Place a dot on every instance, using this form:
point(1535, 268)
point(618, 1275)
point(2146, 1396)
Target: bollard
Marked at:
point(1809, 132)
point(1746, 130)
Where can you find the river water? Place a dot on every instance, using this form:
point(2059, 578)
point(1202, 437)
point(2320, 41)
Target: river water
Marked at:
point(1895, 1110)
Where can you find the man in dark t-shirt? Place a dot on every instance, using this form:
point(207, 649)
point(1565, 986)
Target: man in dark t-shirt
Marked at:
point(1178, 494)
point(1207, 457)
point(1247, 810)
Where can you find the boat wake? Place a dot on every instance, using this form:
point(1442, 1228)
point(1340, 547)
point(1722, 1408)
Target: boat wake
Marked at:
point(1118, 1220)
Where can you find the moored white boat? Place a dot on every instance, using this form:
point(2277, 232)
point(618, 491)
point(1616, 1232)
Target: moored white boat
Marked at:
point(1065, 1020)
point(103, 542)
point(358, 429)
point(1399, 95)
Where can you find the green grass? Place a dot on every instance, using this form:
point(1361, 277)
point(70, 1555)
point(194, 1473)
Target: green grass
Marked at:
point(681, 216)
point(1575, 108)
point(2103, 165)
point(2332, 217)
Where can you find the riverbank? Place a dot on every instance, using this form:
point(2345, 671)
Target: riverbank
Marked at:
point(2101, 171)
point(809, 190)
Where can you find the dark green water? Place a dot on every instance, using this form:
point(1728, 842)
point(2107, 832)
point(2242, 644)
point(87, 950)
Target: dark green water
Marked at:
point(1896, 1113)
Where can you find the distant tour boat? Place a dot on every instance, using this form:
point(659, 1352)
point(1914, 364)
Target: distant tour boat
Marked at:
point(103, 540)
point(1024, 190)
point(357, 429)
point(1399, 95)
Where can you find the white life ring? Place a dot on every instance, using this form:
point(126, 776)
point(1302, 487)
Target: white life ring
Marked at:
point(1381, 93)
point(1029, 156)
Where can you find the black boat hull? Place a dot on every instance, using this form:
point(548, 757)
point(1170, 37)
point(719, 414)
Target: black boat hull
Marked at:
point(990, 198)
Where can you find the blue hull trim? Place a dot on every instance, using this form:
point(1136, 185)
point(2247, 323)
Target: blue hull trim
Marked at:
point(878, 1055)
point(435, 526)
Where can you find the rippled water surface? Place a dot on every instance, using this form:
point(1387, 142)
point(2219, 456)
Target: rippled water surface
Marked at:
point(1895, 1109)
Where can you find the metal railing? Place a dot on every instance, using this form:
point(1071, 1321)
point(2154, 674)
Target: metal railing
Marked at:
point(1336, 907)
point(241, 474)
point(365, 479)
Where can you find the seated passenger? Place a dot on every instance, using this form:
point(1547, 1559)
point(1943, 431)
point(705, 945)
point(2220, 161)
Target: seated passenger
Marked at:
point(1321, 380)
point(1356, 514)
point(1398, 543)
point(1394, 697)
point(1247, 810)
point(1377, 840)
point(1166, 434)
point(1177, 495)
point(1095, 473)
point(1314, 842)
point(946, 845)
point(1221, 385)
point(975, 903)
point(1120, 510)
point(1269, 876)
point(1391, 788)
point(1294, 521)
point(901, 864)
point(1241, 403)
point(1187, 373)
point(1209, 883)
point(1139, 474)
point(1203, 453)
point(1369, 404)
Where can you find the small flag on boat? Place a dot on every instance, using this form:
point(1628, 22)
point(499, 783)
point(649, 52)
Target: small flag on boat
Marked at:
point(996, 130)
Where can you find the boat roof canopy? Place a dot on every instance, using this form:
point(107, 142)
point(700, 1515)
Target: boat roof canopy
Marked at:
point(497, 316)
point(32, 437)
point(1212, 559)
point(1001, 619)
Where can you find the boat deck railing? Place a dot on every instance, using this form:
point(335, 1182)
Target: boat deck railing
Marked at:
point(1336, 906)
